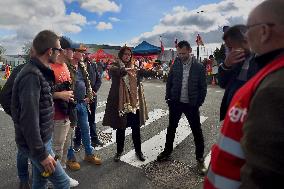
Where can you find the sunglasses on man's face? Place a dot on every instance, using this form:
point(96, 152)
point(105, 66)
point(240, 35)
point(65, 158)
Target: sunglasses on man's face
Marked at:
point(57, 49)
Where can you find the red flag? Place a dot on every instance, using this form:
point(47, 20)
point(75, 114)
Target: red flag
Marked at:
point(199, 41)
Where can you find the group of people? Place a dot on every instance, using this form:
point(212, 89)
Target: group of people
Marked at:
point(50, 96)
point(248, 153)
point(57, 91)
point(211, 67)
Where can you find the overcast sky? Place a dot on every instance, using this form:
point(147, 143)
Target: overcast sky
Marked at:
point(120, 22)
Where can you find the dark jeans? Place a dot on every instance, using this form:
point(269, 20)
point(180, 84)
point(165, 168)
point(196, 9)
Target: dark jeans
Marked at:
point(133, 122)
point(92, 125)
point(23, 166)
point(192, 114)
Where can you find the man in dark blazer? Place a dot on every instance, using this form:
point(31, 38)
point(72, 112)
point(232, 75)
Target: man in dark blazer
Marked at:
point(96, 82)
point(185, 92)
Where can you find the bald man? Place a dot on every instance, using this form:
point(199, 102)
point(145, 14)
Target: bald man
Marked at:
point(263, 131)
point(250, 151)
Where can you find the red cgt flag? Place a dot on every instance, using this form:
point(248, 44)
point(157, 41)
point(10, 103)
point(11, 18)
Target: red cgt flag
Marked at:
point(199, 41)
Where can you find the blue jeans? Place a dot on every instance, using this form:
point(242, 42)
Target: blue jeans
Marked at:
point(22, 166)
point(82, 116)
point(59, 178)
point(92, 125)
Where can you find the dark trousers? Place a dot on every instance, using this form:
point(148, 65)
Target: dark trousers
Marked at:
point(92, 125)
point(192, 114)
point(133, 122)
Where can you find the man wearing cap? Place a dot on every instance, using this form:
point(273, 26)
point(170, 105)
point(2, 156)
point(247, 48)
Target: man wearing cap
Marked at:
point(64, 105)
point(83, 94)
point(96, 82)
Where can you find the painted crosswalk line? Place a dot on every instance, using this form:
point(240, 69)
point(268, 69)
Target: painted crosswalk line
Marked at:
point(155, 145)
point(99, 117)
point(207, 160)
point(101, 104)
point(153, 116)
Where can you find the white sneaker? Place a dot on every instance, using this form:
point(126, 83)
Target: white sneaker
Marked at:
point(49, 185)
point(73, 182)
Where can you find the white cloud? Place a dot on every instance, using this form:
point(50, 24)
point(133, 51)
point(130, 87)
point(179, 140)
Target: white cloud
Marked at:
point(26, 18)
point(104, 26)
point(93, 22)
point(98, 6)
point(185, 24)
point(114, 19)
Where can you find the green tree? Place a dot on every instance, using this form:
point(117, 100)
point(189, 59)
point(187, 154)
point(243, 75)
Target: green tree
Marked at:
point(26, 49)
point(220, 54)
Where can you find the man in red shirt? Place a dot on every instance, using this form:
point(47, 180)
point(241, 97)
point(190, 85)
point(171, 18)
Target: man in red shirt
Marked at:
point(61, 141)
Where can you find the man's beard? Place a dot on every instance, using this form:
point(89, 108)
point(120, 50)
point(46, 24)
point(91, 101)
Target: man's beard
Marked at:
point(184, 59)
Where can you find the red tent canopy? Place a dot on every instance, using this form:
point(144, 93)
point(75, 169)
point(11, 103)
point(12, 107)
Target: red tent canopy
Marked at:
point(100, 54)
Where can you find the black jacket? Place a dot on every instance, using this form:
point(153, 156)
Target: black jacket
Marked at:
point(6, 91)
point(228, 80)
point(197, 87)
point(32, 108)
point(94, 76)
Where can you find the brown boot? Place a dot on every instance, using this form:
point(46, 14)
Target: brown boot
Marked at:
point(73, 165)
point(93, 159)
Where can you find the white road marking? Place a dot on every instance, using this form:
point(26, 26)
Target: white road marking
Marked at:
point(153, 116)
point(101, 104)
point(99, 117)
point(207, 160)
point(155, 145)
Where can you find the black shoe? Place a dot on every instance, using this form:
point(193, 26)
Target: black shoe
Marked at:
point(140, 156)
point(164, 156)
point(98, 143)
point(117, 157)
point(24, 185)
point(201, 167)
